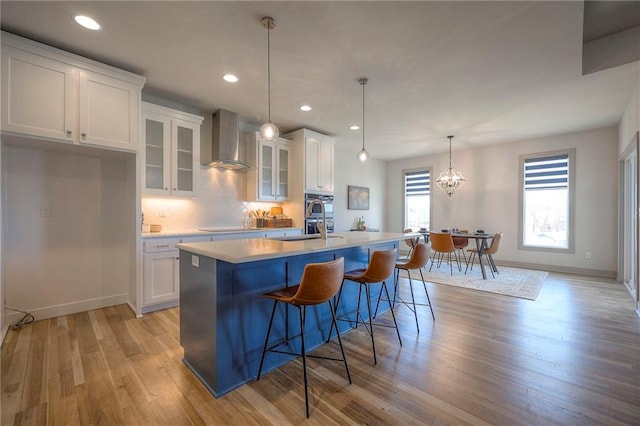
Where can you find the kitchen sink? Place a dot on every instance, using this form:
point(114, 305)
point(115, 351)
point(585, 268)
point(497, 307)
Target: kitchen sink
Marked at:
point(302, 237)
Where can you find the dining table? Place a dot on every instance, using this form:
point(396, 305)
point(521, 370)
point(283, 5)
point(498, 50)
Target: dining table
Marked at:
point(481, 239)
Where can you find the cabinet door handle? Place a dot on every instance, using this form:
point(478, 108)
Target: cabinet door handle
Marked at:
point(165, 188)
point(162, 246)
point(177, 258)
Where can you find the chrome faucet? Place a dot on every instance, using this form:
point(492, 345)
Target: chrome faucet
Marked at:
point(323, 228)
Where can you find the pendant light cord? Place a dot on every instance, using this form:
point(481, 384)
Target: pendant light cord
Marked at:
point(363, 127)
point(269, 69)
point(450, 137)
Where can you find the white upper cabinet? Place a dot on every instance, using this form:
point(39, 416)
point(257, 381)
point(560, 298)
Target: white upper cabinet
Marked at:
point(109, 110)
point(269, 181)
point(52, 94)
point(318, 155)
point(171, 154)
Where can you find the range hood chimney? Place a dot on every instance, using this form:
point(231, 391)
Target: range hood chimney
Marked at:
point(226, 151)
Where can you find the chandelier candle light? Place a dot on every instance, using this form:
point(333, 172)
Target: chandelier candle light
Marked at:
point(451, 179)
point(363, 155)
point(269, 131)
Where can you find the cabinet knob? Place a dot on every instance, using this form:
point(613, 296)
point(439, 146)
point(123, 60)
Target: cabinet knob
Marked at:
point(174, 189)
point(165, 188)
point(69, 133)
point(84, 136)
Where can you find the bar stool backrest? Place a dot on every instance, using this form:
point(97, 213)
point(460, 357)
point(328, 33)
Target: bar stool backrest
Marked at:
point(381, 266)
point(419, 258)
point(319, 282)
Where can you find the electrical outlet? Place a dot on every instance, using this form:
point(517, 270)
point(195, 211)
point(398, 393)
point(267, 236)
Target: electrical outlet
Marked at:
point(587, 255)
point(195, 261)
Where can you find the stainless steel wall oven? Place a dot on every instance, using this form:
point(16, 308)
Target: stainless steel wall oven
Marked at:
point(316, 212)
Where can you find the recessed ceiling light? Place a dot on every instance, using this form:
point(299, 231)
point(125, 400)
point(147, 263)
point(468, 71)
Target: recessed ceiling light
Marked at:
point(354, 127)
point(305, 108)
point(87, 22)
point(230, 78)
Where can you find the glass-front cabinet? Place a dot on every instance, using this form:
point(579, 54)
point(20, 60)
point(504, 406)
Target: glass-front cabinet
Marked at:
point(171, 151)
point(270, 180)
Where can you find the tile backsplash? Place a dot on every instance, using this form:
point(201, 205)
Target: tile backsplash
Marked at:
point(221, 202)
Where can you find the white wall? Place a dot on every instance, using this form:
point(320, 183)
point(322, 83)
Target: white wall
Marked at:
point(81, 257)
point(371, 174)
point(629, 127)
point(630, 123)
point(489, 198)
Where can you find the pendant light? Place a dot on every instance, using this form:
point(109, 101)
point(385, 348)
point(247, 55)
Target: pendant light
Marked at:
point(363, 155)
point(269, 131)
point(451, 179)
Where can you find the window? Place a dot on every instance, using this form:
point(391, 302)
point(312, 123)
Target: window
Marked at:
point(417, 199)
point(546, 217)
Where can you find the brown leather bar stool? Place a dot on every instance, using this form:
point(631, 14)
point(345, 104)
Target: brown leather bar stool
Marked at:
point(319, 283)
point(380, 269)
point(418, 261)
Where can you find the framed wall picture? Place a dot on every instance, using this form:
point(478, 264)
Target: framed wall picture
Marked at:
point(358, 198)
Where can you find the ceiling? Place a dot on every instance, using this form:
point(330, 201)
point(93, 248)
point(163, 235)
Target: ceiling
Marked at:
point(486, 72)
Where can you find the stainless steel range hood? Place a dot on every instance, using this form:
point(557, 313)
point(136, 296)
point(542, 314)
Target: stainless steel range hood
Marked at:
point(226, 149)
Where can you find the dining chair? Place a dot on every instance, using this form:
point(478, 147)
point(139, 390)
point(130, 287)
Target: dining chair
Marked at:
point(411, 242)
point(441, 244)
point(460, 243)
point(488, 253)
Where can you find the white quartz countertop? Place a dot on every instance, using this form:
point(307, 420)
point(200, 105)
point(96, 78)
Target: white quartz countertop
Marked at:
point(212, 231)
point(249, 250)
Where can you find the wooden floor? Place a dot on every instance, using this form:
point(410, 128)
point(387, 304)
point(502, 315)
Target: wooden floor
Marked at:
point(572, 357)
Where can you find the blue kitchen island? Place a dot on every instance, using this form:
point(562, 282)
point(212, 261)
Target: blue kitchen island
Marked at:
point(224, 319)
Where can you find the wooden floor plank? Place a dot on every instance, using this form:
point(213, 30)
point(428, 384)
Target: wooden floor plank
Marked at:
point(570, 357)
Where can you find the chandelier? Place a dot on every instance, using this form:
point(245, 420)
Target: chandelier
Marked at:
point(451, 179)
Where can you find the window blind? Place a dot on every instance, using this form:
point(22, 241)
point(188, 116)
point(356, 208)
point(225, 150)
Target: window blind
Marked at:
point(417, 183)
point(546, 172)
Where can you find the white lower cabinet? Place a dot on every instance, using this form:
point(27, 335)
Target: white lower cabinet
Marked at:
point(161, 273)
point(161, 270)
point(161, 278)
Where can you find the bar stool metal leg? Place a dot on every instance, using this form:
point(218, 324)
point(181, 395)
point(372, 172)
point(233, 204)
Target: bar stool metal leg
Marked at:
point(266, 339)
point(373, 342)
point(303, 310)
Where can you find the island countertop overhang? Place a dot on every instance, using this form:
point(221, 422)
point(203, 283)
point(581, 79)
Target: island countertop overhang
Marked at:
point(253, 249)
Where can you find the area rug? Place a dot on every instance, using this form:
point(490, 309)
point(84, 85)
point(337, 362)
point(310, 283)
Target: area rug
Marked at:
point(514, 282)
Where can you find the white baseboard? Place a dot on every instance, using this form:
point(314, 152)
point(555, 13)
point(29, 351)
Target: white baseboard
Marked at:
point(560, 269)
point(69, 308)
point(160, 306)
